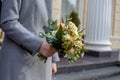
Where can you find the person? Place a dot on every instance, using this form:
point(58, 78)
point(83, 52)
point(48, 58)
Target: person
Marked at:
point(21, 21)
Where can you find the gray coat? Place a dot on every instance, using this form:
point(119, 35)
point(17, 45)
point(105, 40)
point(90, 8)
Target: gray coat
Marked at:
point(22, 20)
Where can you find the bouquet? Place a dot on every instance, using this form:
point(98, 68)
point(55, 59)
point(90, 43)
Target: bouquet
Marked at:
point(66, 37)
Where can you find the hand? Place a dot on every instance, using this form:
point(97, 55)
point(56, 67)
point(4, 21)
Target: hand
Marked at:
point(54, 68)
point(47, 50)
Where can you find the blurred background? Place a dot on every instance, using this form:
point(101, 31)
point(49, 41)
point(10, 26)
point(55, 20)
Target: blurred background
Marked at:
point(100, 20)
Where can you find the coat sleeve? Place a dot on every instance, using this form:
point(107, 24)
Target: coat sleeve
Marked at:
point(49, 7)
point(55, 57)
point(14, 30)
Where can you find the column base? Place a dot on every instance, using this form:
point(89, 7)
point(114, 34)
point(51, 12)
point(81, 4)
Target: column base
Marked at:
point(118, 63)
point(99, 53)
point(98, 47)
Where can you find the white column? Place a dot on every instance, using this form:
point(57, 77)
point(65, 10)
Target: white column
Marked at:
point(98, 25)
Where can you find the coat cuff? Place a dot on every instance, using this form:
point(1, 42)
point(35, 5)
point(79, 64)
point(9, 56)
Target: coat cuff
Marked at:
point(55, 57)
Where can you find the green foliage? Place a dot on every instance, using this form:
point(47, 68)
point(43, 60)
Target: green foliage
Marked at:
point(41, 57)
point(69, 46)
point(52, 24)
point(66, 20)
point(59, 33)
point(75, 19)
point(50, 27)
point(65, 38)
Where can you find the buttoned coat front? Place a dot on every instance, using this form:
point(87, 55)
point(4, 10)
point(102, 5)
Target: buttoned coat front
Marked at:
point(22, 20)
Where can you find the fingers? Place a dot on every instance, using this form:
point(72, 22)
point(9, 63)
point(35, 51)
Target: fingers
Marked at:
point(47, 50)
point(54, 68)
point(51, 50)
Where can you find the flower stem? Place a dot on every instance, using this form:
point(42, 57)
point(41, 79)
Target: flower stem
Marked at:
point(41, 57)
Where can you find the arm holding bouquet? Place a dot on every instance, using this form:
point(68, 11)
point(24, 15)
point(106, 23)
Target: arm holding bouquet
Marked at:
point(66, 37)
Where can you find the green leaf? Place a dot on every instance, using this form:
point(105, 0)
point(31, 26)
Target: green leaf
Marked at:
point(69, 46)
point(66, 19)
point(59, 33)
point(73, 57)
point(41, 57)
point(50, 21)
point(83, 49)
point(80, 30)
point(46, 29)
point(52, 24)
point(65, 32)
point(51, 39)
point(77, 55)
point(63, 21)
point(41, 35)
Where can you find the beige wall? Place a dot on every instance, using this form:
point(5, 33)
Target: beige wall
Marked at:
point(57, 9)
point(116, 25)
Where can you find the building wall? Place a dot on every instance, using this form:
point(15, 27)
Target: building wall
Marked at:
point(116, 25)
point(57, 9)
point(115, 39)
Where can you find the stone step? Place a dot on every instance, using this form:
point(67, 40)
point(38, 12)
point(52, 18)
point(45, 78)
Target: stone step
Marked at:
point(78, 67)
point(88, 62)
point(94, 74)
point(68, 68)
